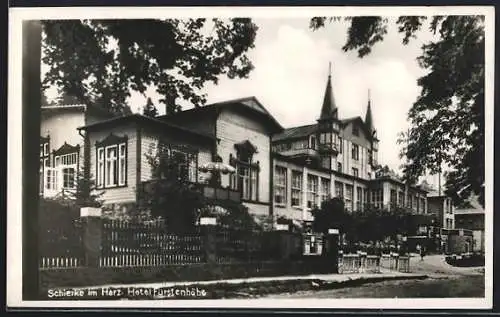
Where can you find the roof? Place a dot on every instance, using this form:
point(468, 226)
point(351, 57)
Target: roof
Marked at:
point(79, 106)
point(469, 211)
point(249, 103)
point(140, 119)
point(296, 132)
point(329, 108)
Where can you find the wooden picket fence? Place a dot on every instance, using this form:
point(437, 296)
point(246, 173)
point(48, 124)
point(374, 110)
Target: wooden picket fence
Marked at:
point(129, 244)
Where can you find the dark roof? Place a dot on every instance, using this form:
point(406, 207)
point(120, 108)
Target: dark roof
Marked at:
point(296, 132)
point(250, 103)
point(140, 119)
point(329, 108)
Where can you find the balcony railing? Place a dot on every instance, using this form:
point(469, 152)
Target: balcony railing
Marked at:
point(300, 152)
point(210, 192)
point(327, 148)
point(219, 193)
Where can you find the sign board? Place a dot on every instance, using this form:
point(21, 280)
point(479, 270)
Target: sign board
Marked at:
point(204, 221)
point(90, 212)
point(333, 231)
point(281, 227)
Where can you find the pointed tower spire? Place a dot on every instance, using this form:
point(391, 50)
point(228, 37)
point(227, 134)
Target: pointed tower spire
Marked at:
point(368, 117)
point(329, 108)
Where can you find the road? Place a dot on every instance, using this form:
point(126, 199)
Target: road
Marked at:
point(444, 281)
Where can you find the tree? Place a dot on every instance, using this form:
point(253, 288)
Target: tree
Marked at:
point(170, 195)
point(331, 215)
point(150, 109)
point(447, 119)
point(102, 61)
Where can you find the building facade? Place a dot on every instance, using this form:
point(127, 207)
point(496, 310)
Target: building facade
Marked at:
point(335, 157)
point(278, 171)
point(61, 145)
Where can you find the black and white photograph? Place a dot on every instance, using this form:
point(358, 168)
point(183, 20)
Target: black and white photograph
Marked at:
point(250, 157)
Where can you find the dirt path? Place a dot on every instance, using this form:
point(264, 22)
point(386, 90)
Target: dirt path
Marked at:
point(435, 265)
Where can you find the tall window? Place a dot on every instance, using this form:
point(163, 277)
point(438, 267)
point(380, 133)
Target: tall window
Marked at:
point(355, 172)
point(378, 198)
point(312, 190)
point(280, 186)
point(401, 199)
point(422, 205)
point(348, 196)
point(355, 152)
point(359, 198)
point(339, 190)
point(111, 162)
point(312, 142)
point(68, 177)
point(325, 189)
point(44, 162)
point(66, 166)
point(247, 171)
point(339, 167)
point(393, 197)
point(341, 145)
point(296, 189)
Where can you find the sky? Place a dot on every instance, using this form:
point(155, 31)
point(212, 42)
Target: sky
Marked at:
point(291, 69)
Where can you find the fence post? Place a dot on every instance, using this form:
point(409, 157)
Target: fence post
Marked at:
point(91, 235)
point(331, 250)
point(209, 239)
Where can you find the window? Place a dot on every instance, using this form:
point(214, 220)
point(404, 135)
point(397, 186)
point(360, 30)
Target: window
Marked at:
point(51, 177)
point(296, 189)
point(280, 186)
point(355, 130)
point(355, 172)
point(422, 205)
point(111, 178)
point(65, 166)
point(247, 171)
point(340, 145)
point(410, 201)
point(359, 198)
point(339, 190)
point(393, 197)
point(401, 199)
point(325, 162)
point(312, 142)
point(111, 167)
point(378, 198)
point(348, 196)
point(355, 152)
point(325, 189)
point(312, 190)
point(339, 167)
point(68, 177)
point(100, 167)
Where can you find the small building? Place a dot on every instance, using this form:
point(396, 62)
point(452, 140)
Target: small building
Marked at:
point(471, 217)
point(61, 146)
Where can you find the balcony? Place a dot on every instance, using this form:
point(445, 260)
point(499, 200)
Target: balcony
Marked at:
point(214, 193)
point(300, 152)
point(219, 193)
point(327, 148)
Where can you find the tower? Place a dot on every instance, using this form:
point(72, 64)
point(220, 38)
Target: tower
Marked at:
point(328, 126)
point(373, 153)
